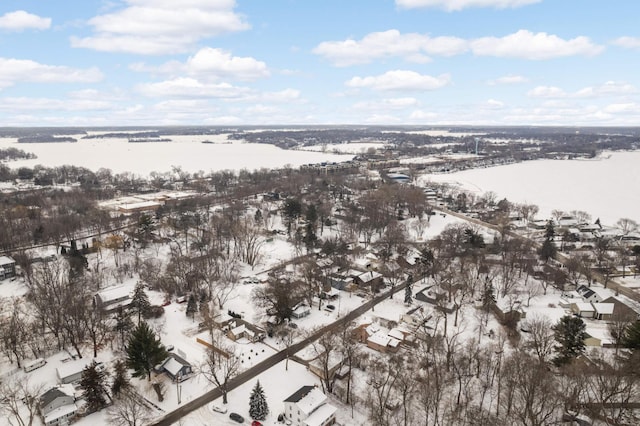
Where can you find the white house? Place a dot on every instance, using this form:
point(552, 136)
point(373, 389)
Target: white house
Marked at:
point(113, 298)
point(308, 407)
point(57, 405)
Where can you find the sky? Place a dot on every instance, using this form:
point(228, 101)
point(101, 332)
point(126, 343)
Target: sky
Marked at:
point(300, 62)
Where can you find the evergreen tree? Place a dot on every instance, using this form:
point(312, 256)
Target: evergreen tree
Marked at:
point(258, 408)
point(408, 294)
point(192, 306)
point(569, 332)
point(144, 351)
point(140, 301)
point(120, 378)
point(488, 296)
point(94, 389)
point(123, 324)
point(631, 336)
point(548, 249)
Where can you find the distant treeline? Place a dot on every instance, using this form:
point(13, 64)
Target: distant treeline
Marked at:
point(46, 139)
point(14, 154)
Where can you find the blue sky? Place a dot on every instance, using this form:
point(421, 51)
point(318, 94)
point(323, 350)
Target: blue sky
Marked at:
point(254, 62)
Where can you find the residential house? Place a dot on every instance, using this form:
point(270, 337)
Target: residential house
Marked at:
point(57, 405)
point(7, 267)
point(591, 294)
point(599, 311)
point(621, 310)
point(176, 367)
point(435, 296)
point(113, 298)
point(308, 407)
point(582, 309)
point(71, 371)
point(370, 279)
point(238, 328)
point(376, 337)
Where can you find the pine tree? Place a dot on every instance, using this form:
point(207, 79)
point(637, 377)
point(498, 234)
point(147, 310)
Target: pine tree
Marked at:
point(258, 408)
point(140, 301)
point(94, 389)
point(120, 378)
point(408, 294)
point(192, 306)
point(570, 333)
point(631, 336)
point(488, 296)
point(144, 351)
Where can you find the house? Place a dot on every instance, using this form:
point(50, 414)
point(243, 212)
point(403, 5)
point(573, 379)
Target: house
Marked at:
point(176, 367)
point(300, 311)
point(582, 309)
point(435, 296)
point(621, 310)
point(7, 267)
point(139, 207)
point(308, 407)
point(369, 279)
point(238, 328)
point(112, 298)
point(57, 405)
point(71, 371)
point(603, 311)
point(590, 294)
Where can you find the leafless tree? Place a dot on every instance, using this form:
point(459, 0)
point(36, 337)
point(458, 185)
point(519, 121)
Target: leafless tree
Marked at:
point(540, 339)
point(220, 365)
point(15, 333)
point(129, 410)
point(16, 393)
point(326, 349)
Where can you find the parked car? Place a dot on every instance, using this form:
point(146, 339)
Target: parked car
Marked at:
point(169, 348)
point(236, 417)
point(330, 307)
point(256, 423)
point(218, 408)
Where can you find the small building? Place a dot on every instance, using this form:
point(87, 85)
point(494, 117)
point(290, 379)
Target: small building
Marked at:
point(71, 371)
point(370, 279)
point(300, 311)
point(176, 367)
point(57, 405)
point(308, 407)
point(591, 294)
point(139, 207)
point(112, 298)
point(603, 311)
point(583, 309)
point(7, 267)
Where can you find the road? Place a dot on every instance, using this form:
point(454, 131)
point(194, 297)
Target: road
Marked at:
point(174, 416)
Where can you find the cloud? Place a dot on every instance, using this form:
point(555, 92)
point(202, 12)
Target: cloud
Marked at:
point(608, 89)
point(387, 104)
point(155, 27)
point(21, 20)
point(416, 47)
point(454, 5)
point(185, 88)
point(627, 42)
point(13, 104)
point(494, 104)
point(412, 46)
point(400, 80)
point(539, 46)
point(508, 79)
point(23, 70)
point(212, 64)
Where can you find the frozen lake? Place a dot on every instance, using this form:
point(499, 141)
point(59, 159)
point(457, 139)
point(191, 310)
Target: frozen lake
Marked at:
point(186, 152)
point(606, 187)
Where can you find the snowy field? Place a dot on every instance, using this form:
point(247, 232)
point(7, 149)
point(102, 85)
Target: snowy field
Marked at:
point(604, 188)
point(186, 152)
point(346, 148)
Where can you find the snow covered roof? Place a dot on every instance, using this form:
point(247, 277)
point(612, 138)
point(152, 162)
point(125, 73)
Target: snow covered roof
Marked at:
point(173, 364)
point(584, 307)
point(320, 416)
point(379, 338)
point(54, 393)
point(396, 333)
point(115, 293)
point(59, 412)
point(6, 260)
point(369, 276)
point(604, 308)
point(311, 400)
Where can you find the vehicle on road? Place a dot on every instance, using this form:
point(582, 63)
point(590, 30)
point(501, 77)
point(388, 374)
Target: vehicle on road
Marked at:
point(236, 417)
point(256, 423)
point(330, 307)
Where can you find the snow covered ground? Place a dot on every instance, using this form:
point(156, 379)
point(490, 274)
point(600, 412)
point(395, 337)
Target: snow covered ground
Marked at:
point(602, 187)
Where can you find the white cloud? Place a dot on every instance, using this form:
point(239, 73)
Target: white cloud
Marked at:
point(453, 5)
point(156, 27)
point(627, 42)
point(387, 104)
point(186, 88)
point(508, 79)
point(21, 20)
point(416, 47)
point(400, 80)
point(12, 104)
point(608, 89)
point(211, 64)
point(628, 107)
point(527, 45)
point(412, 46)
point(23, 70)
point(494, 104)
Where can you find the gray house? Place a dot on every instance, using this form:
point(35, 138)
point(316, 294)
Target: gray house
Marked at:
point(7, 267)
point(57, 405)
